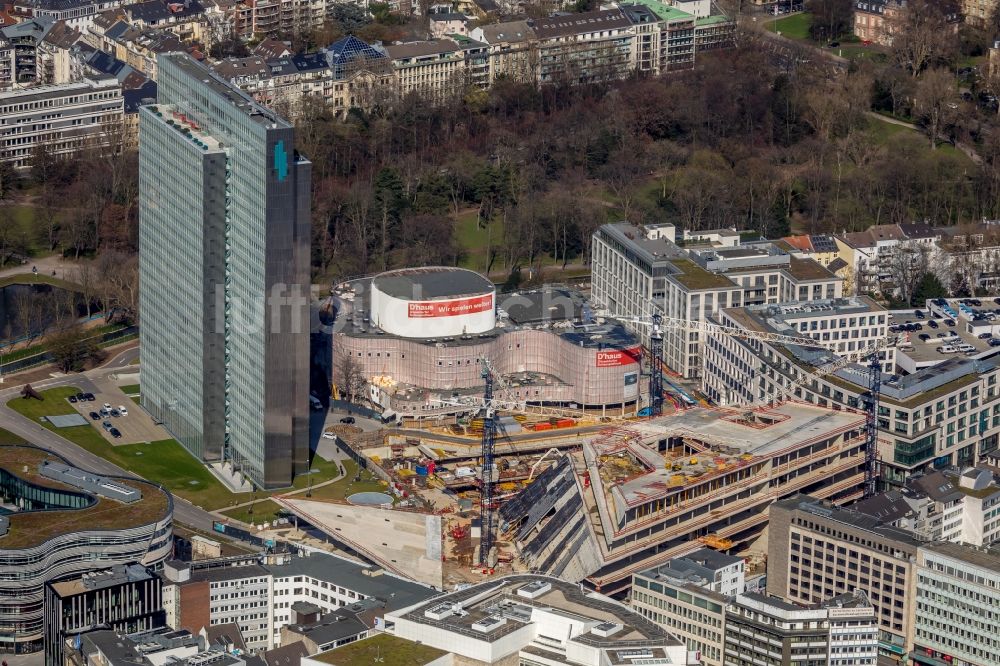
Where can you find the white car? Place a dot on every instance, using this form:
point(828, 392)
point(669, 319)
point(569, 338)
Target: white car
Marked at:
point(121, 408)
point(329, 435)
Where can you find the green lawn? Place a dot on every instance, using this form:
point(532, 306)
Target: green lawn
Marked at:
point(130, 389)
point(164, 461)
point(795, 26)
point(29, 278)
point(263, 511)
point(7, 437)
point(884, 131)
point(383, 649)
point(475, 240)
point(348, 486)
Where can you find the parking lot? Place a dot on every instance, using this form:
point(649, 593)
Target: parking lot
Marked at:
point(135, 428)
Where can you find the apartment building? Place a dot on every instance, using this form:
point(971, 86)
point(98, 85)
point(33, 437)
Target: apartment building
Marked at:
point(261, 595)
point(139, 48)
point(19, 55)
point(688, 595)
point(510, 49)
point(840, 631)
point(957, 594)
point(64, 118)
point(78, 14)
point(874, 19)
point(347, 74)
point(581, 48)
point(816, 550)
point(437, 69)
point(638, 272)
point(664, 37)
point(952, 504)
point(969, 257)
point(877, 254)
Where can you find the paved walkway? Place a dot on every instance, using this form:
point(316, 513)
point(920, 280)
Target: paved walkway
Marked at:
point(46, 265)
point(969, 151)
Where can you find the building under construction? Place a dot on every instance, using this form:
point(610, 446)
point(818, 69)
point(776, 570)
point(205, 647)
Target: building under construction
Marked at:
point(640, 494)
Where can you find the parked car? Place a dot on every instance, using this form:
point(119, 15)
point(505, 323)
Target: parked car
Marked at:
point(115, 413)
point(95, 416)
point(947, 349)
point(932, 324)
point(994, 342)
point(925, 337)
point(107, 425)
point(107, 405)
point(347, 419)
point(72, 399)
point(121, 408)
point(116, 433)
point(984, 336)
point(965, 348)
point(89, 396)
point(949, 322)
point(329, 435)
point(919, 314)
point(82, 397)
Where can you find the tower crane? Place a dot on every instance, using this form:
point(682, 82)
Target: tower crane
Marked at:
point(869, 355)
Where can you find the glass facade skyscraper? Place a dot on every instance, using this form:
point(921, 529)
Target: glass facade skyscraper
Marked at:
point(224, 274)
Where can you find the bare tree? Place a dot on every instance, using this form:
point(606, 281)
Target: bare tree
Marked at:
point(908, 262)
point(350, 378)
point(922, 35)
point(935, 91)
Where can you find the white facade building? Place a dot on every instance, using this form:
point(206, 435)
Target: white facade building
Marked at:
point(542, 621)
point(957, 594)
point(65, 118)
point(637, 272)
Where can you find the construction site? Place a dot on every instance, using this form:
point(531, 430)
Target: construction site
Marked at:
point(508, 484)
point(590, 501)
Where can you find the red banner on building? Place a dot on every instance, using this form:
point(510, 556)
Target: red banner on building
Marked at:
point(610, 359)
point(425, 309)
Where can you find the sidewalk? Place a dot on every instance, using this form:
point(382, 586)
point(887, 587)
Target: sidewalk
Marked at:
point(45, 266)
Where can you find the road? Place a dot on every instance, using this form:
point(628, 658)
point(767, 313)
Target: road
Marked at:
point(184, 511)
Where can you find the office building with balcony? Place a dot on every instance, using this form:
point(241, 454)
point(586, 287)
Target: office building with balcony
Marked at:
point(816, 550)
point(224, 274)
point(63, 523)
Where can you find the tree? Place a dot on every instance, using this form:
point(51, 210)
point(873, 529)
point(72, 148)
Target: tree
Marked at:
point(831, 18)
point(908, 262)
point(350, 377)
point(922, 35)
point(927, 288)
point(935, 91)
point(71, 348)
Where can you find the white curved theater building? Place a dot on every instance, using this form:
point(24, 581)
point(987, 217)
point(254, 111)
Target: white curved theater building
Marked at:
point(418, 334)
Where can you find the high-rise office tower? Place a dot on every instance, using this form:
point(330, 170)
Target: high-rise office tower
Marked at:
point(224, 274)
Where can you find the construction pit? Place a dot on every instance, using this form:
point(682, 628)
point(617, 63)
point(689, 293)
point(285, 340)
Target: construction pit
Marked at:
point(589, 501)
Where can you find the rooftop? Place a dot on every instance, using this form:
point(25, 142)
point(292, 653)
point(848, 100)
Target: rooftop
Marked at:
point(851, 519)
point(693, 276)
point(637, 473)
point(197, 72)
point(988, 558)
point(101, 579)
point(381, 648)
point(33, 528)
point(369, 581)
point(584, 22)
point(496, 608)
point(432, 282)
